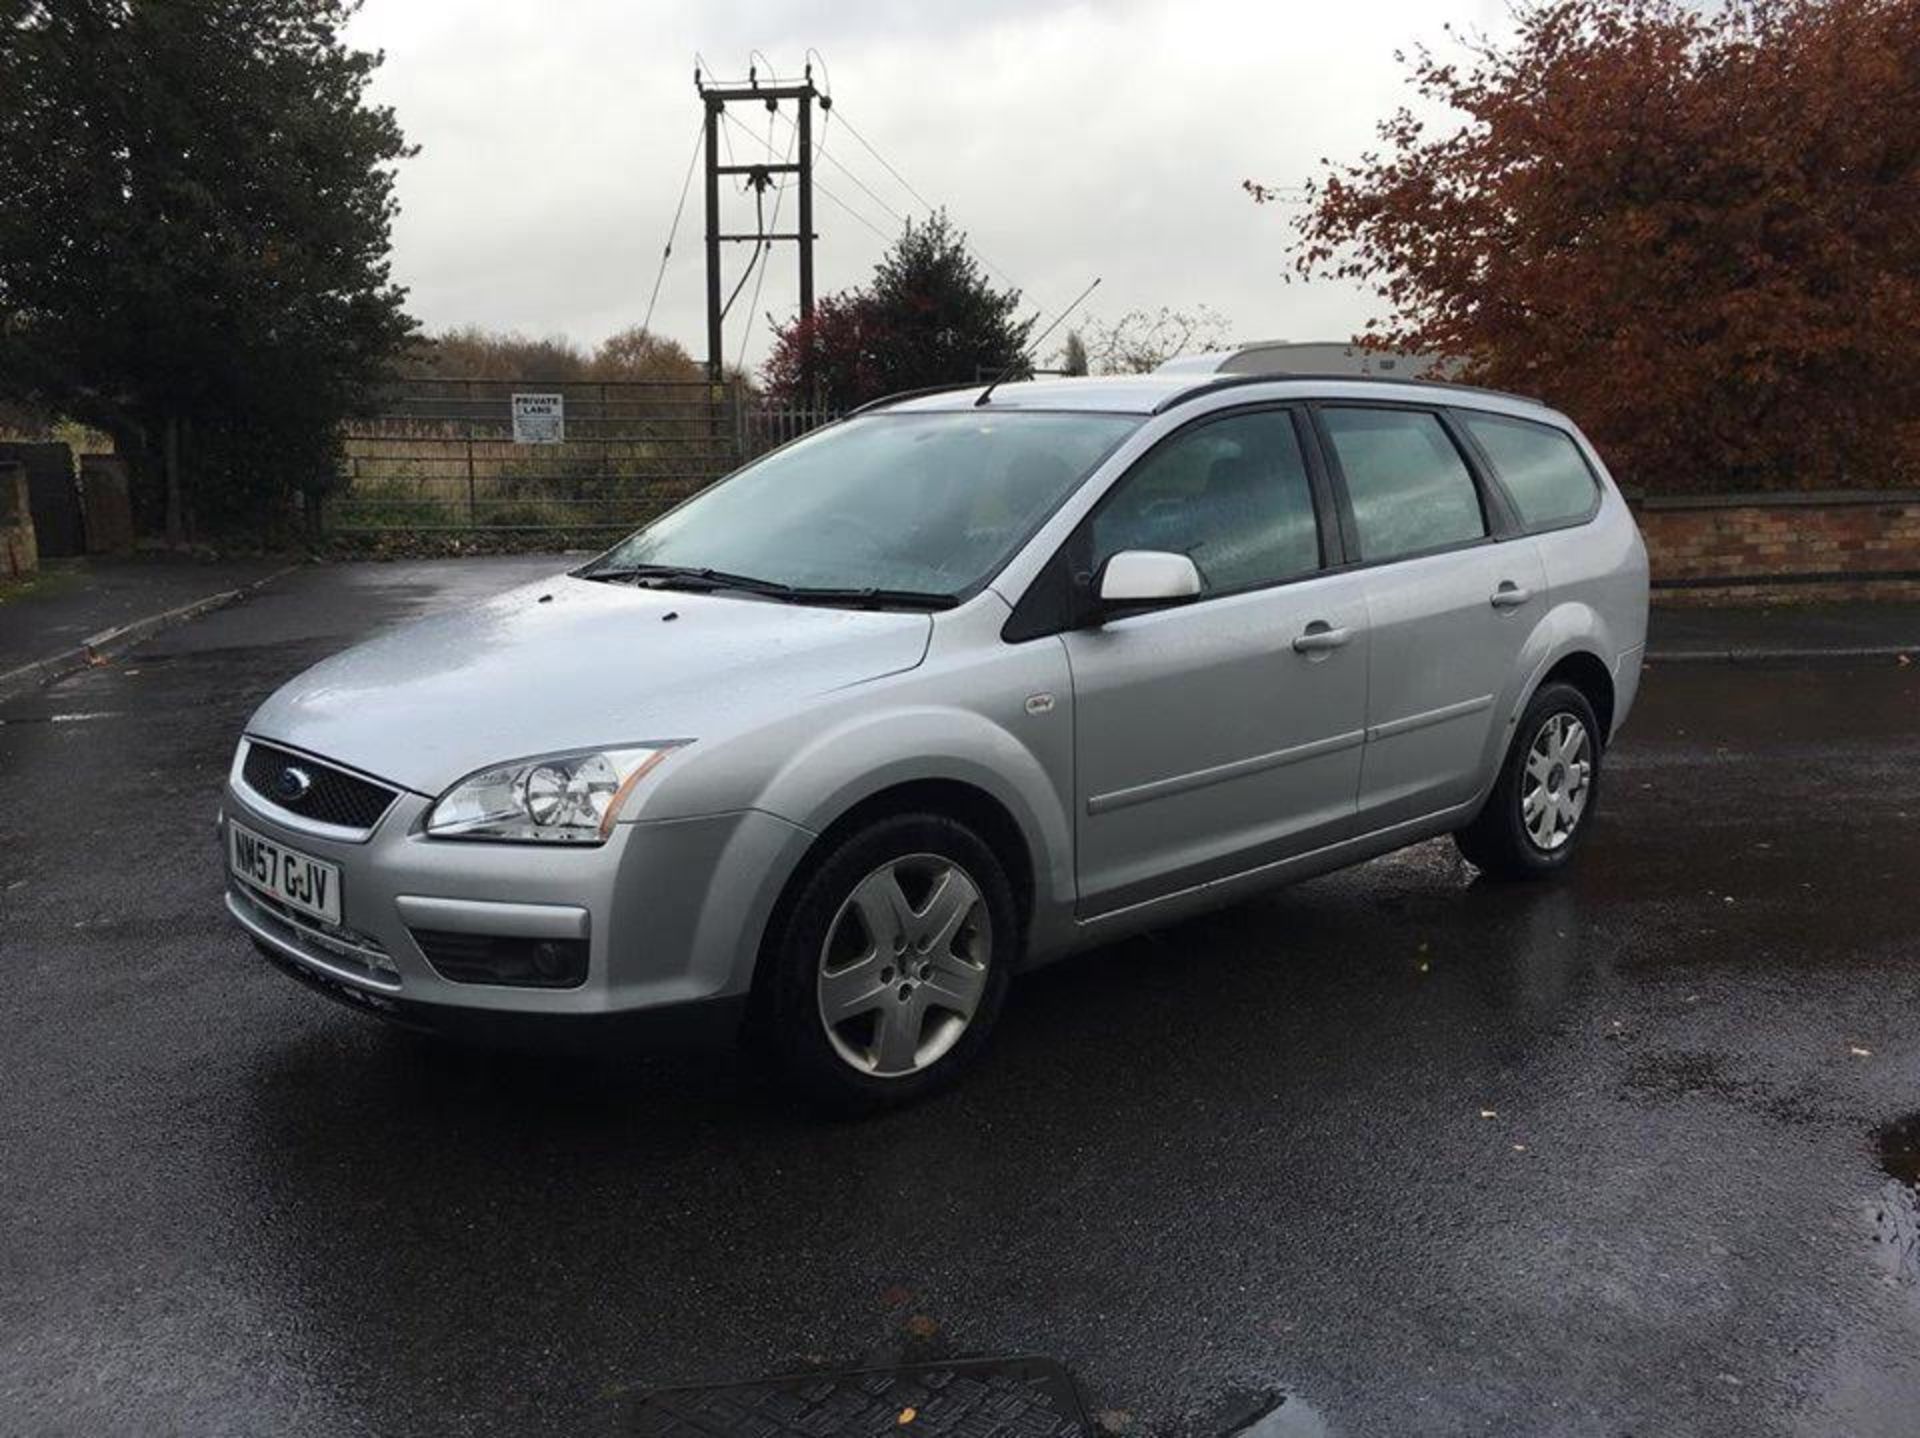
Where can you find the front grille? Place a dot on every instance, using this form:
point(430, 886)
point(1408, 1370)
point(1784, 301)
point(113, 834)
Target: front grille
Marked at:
point(344, 948)
point(333, 796)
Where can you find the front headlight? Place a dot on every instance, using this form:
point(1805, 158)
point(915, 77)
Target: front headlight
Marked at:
point(558, 798)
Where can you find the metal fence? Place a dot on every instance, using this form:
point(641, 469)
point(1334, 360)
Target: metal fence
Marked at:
point(505, 455)
point(766, 427)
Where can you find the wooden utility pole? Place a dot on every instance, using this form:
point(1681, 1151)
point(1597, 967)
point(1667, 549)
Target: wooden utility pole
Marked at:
point(771, 95)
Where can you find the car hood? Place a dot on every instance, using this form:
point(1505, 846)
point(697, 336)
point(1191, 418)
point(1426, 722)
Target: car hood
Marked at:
point(570, 664)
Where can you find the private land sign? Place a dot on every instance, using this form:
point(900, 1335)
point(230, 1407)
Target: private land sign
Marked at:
point(539, 419)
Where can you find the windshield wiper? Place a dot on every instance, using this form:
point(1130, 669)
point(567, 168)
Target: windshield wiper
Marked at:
point(681, 576)
point(874, 598)
point(702, 580)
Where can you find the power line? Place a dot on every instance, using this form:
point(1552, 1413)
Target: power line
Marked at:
point(700, 66)
point(673, 229)
point(746, 330)
point(884, 236)
point(924, 202)
point(866, 145)
point(761, 251)
point(820, 149)
point(811, 56)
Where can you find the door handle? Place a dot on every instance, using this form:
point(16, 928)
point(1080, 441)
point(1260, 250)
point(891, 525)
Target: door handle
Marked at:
point(1510, 595)
point(1320, 636)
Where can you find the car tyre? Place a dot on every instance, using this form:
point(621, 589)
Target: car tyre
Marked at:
point(881, 979)
point(1542, 803)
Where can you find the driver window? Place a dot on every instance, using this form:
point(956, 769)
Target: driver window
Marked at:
point(1232, 495)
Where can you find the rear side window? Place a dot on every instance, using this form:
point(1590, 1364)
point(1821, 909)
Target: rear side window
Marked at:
point(1540, 466)
point(1232, 494)
point(1409, 487)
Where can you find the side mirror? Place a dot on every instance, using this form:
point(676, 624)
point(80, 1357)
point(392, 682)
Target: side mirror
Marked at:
point(1147, 576)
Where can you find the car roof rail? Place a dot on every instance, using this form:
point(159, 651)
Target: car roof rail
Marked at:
point(901, 396)
point(1180, 397)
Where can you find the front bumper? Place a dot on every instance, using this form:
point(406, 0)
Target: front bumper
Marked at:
point(671, 911)
point(704, 1023)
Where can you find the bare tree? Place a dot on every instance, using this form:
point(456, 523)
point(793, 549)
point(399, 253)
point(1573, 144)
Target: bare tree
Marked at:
point(1140, 341)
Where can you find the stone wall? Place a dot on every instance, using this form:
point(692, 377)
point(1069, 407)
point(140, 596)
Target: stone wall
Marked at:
point(1744, 548)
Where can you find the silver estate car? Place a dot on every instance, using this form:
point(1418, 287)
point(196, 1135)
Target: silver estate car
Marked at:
point(946, 690)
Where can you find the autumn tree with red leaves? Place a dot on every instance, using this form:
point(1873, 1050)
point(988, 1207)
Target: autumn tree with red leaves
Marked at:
point(1697, 232)
point(928, 317)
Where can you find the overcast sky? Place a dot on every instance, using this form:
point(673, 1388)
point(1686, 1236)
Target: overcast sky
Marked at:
point(1068, 140)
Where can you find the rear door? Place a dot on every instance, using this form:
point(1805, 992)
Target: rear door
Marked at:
point(1450, 586)
point(1221, 732)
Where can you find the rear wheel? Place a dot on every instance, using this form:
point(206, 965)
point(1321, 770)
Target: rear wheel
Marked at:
point(885, 976)
point(1535, 818)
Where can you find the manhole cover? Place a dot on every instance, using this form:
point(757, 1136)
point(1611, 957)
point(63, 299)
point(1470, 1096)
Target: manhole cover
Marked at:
point(985, 1398)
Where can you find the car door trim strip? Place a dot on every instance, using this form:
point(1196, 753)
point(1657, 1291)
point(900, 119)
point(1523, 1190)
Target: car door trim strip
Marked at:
point(1221, 773)
point(1393, 728)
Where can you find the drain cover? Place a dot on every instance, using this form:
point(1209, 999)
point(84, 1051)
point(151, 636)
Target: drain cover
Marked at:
point(985, 1398)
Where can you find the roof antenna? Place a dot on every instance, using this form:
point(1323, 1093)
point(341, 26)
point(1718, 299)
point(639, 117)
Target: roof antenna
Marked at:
point(987, 393)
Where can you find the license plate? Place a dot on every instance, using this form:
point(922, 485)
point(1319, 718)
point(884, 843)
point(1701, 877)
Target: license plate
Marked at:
point(300, 882)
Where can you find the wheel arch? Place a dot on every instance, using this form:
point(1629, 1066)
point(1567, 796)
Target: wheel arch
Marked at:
point(968, 803)
point(1587, 672)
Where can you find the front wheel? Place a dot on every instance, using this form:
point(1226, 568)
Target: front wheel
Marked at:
point(1542, 803)
point(887, 971)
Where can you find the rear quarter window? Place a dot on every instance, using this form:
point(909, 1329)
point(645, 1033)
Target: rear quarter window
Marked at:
point(1540, 467)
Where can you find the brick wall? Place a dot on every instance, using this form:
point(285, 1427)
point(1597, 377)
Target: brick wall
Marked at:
point(1742, 548)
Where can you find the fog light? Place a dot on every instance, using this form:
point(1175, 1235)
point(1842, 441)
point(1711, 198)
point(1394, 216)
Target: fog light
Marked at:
point(503, 959)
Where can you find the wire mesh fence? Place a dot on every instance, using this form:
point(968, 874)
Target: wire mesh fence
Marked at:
point(505, 456)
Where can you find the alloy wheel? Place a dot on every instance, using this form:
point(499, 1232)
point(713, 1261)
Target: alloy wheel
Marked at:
point(904, 965)
point(1558, 780)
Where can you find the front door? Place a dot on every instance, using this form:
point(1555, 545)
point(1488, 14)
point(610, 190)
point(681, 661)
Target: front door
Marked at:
point(1221, 732)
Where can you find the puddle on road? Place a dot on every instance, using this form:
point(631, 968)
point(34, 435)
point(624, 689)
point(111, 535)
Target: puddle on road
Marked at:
point(1899, 1145)
point(85, 718)
point(1896, 1214)
point(1270, 1415)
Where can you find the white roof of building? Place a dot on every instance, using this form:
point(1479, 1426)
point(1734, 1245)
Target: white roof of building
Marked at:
point(1305, 357)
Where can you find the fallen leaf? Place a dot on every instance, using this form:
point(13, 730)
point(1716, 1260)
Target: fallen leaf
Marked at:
point(921, 1326)
point(907, 1415)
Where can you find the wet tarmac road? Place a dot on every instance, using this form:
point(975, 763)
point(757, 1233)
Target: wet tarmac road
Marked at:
point(1420, 1155)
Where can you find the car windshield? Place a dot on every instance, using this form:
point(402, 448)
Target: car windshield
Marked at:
point(927, 505)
